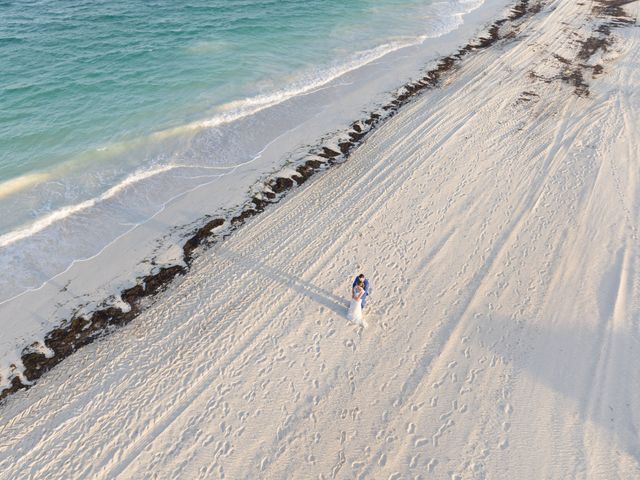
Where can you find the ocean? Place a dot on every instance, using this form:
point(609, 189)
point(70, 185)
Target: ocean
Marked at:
point(113, 113)
point(86, 85)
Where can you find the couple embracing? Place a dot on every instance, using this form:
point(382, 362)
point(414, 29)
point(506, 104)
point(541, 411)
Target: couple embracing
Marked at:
point(359, 293)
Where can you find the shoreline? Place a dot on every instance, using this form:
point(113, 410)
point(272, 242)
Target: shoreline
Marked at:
point(497, 220)
point(83, 329)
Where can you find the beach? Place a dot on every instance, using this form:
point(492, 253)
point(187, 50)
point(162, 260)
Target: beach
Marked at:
point(117, 208)
point(495, 212)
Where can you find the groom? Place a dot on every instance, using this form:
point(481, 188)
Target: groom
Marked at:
point(362, 278)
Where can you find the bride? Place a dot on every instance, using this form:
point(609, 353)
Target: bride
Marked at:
point(355, 307)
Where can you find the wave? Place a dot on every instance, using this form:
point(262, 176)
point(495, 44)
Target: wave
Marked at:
point(241, 108)
point(62, 213)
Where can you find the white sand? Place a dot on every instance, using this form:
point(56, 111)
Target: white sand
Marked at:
point(501, 240)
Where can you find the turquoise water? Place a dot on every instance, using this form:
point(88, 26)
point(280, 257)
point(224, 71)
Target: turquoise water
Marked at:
point(78, 76)
point(109, 111)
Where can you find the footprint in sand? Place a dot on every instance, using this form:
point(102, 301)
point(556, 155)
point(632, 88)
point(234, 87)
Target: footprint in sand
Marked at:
point(420, 442)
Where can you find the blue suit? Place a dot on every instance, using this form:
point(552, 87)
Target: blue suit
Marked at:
point(366, 289)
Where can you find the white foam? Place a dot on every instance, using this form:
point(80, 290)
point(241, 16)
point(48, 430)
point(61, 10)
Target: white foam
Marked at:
point(62, 213)
point(237, 109)
point(449, 17)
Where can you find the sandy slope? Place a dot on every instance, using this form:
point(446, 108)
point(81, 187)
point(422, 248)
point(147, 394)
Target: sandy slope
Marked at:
point(500, 234)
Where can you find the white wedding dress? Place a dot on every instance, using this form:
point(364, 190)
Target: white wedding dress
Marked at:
point(355, 307)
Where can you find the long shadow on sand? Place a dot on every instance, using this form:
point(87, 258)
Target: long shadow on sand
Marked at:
point(319, 295)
